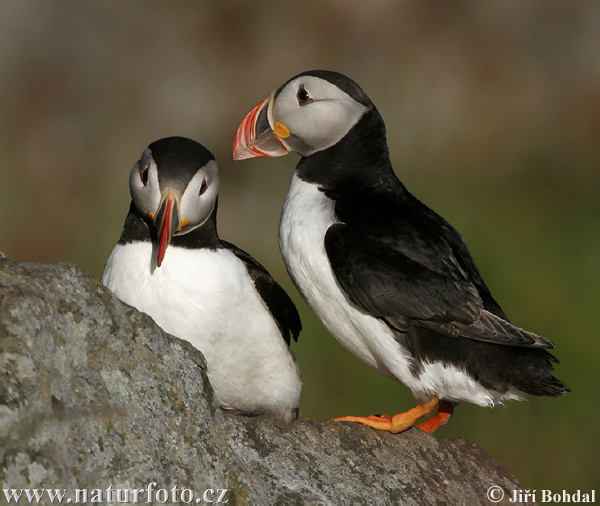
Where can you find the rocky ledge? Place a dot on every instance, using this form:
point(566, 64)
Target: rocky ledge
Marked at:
point(97, 402)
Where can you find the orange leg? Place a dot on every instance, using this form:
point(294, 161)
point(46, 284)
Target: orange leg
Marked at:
point(396, 423)
point(441, 416)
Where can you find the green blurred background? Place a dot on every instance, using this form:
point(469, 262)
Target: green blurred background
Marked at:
point(493, 117)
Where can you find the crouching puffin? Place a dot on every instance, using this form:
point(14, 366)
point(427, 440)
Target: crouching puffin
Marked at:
point(388, 277)
point(171, 264)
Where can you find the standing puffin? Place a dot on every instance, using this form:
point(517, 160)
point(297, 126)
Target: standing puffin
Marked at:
point(202, 289)
point(388, 277)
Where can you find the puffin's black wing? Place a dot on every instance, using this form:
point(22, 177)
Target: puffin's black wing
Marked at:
point(275, 298)
point(406, 265)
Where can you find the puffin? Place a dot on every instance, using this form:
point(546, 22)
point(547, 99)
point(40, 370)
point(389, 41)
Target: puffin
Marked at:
point(171, 264)
point(389, 278)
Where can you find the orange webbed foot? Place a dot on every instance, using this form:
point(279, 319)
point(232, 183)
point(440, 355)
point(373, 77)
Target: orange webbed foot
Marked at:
point(397, 423)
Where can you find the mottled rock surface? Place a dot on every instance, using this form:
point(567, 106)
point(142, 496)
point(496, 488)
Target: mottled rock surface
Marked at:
point(93, 394)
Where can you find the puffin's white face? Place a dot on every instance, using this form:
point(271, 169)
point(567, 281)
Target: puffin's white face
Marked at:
point(308, 114)
point(196, 203)
point(175, 204)
point(316, 112)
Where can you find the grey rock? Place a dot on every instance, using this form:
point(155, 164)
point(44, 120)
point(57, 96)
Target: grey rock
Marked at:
point(93, 394)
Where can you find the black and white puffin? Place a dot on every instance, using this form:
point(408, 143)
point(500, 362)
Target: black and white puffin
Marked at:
point(171, 264)
point(389, 278)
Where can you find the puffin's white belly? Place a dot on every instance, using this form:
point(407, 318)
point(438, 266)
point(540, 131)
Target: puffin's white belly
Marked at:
point(307, 214)
point(207, 298)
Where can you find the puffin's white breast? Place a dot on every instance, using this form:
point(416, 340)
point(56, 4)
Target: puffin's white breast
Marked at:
point(307, 214)
point(206, 297)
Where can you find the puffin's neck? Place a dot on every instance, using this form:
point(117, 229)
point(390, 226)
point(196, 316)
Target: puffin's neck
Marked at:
point(140, 228)
point(136, 228)
point(357, 162)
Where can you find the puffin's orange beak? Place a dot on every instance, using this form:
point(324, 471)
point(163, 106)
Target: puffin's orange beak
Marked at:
point(259, 135)
point(167, 221)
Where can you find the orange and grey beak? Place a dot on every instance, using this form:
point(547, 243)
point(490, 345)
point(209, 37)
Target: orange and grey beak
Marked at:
point(259, 134)
point(167, 221)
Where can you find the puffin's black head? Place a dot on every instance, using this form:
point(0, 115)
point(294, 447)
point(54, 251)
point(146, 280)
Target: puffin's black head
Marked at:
point(343, 82)
point(175, 185)
point(311, 112)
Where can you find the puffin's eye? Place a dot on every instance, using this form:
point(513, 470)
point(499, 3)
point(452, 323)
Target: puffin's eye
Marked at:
point(303, 96)
point(144, 176)
point(203, 188)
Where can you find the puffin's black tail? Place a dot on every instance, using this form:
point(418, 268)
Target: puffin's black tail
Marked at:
point(538, 379)
point(497, 367)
